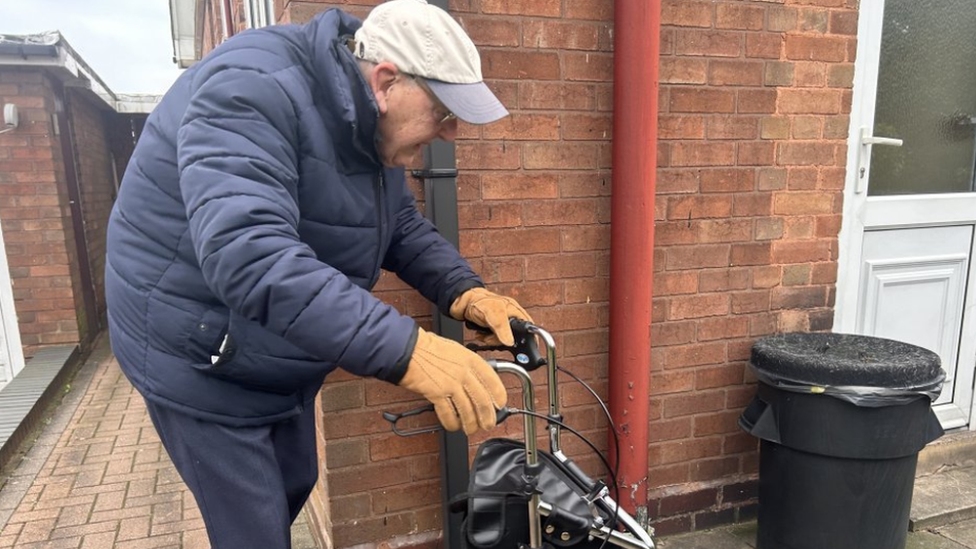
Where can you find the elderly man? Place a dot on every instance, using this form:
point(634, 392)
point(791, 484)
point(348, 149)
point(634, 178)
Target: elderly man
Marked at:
point(264, 196)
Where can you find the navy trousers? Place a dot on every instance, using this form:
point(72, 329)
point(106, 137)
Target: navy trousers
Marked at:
point(249, 482)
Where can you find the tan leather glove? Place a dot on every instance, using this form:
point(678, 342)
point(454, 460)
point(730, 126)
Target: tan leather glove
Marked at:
point(464, 389)
point(489, 310)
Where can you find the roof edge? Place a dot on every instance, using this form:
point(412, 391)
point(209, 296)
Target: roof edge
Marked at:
point(50, 50)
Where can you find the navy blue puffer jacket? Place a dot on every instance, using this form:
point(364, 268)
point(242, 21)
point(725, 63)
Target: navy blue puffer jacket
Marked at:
point(255, 207)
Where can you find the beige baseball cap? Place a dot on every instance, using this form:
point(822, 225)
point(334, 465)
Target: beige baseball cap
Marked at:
point(423, 40)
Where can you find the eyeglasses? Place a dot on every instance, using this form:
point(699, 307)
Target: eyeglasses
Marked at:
point(441, 113)
point(447, 117)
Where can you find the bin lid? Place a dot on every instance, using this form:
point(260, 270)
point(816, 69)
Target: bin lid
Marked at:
point(846, 359)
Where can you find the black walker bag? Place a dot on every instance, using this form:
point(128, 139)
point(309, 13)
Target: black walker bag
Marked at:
point(496, 504)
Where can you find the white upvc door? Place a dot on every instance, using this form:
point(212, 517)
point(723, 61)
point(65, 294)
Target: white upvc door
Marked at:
point(907, 242)
point(11, 352)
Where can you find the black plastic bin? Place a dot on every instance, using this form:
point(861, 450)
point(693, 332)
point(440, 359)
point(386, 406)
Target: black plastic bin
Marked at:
point(842, 419)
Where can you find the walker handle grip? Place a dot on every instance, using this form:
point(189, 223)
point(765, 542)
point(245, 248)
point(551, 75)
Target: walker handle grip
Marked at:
point(526, 349)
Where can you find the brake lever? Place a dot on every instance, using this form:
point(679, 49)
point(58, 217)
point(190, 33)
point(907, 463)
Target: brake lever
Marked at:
point(394, 418)
point(500, 416)
point(526, 349)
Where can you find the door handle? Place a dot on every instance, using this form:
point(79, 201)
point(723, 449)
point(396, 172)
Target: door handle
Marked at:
point(890, 141)
point(964, 120)
point(863, 154)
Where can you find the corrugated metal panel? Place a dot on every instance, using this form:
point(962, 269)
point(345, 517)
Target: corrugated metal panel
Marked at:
point(20, 397)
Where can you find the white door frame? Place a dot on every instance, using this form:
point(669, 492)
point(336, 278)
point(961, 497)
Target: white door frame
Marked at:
point(893, 211)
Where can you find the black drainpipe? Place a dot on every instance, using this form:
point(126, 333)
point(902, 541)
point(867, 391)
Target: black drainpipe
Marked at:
point(440, 193)
point(64, 130)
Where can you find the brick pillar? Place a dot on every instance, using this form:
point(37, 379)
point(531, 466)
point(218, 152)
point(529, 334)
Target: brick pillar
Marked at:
point(34, 213)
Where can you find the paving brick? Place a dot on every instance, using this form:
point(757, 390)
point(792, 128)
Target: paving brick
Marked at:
point(133, 528)
point(168, 540)
point(196, 539)
point(182, 526)
point(98, 541)
point(74, 515)
point(33, 516)
point(82, 530)
point(90, 477)
point(36, 530)
point(63, 543)
point(167, 512)
point(140, 486)
point(13, 529)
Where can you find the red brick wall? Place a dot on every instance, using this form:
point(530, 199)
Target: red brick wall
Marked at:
point(754, 101)
point(753, 125)
point(213, 30)
point(34, 214)
point(212, 25)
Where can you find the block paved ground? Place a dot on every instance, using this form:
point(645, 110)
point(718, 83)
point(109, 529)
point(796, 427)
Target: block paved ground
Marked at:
point(97, 476)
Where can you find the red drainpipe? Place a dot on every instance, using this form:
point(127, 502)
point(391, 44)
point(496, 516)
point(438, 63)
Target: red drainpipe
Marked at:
point(637, 30)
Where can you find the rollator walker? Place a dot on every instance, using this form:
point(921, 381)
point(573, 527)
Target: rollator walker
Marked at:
point(520, 497)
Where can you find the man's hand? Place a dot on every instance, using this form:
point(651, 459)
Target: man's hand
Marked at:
point(464, 389)
point(491, 311)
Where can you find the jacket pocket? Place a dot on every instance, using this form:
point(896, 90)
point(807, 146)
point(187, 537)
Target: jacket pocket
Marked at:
point(255, 358)
point(206, 335)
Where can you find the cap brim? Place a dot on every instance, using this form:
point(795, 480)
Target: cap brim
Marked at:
point(473, 103)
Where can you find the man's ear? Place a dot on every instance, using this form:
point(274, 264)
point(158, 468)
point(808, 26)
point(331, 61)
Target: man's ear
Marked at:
point(381, 79)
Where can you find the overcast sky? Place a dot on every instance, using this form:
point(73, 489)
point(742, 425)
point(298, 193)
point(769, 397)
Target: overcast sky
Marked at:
point(127, 43)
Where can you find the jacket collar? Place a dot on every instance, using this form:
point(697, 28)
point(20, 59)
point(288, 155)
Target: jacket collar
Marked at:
point(343, 99)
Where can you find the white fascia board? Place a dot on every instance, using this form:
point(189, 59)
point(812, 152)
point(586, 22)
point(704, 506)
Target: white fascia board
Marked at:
point(137, 104)
point(183, 22)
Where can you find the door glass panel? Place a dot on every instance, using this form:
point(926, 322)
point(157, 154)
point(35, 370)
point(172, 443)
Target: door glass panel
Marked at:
point(926, 97)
